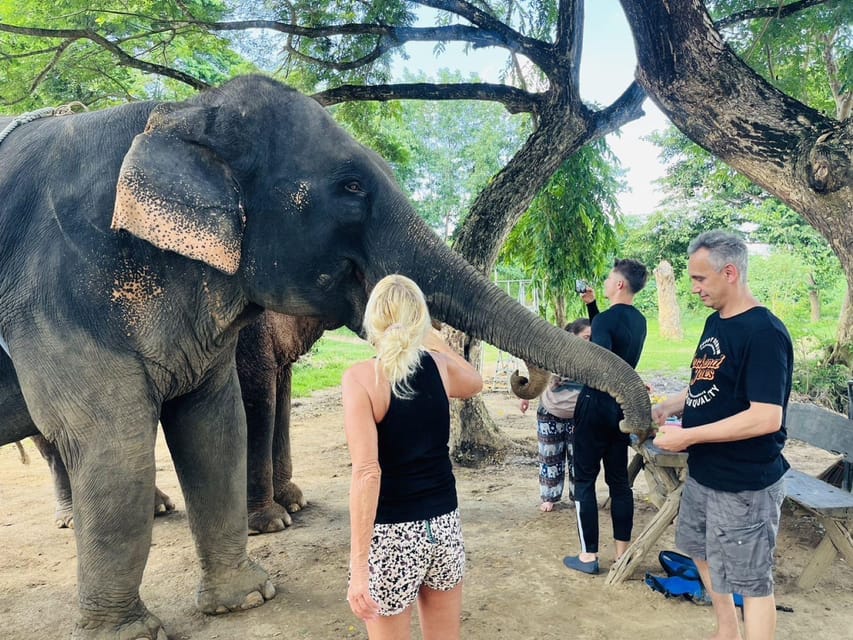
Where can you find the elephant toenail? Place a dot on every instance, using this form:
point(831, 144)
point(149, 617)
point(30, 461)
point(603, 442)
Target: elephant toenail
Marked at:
point(254, 599)
point(269, 590)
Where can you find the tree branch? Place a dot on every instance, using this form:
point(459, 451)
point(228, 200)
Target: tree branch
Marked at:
point(397, 35)
point(569, 41)
point(38, 79)
point(26, 54)
point(514, 100)
point(374, 55)
point(627, 108)
point(124, 58)
point(509, 38)
point(767, 12)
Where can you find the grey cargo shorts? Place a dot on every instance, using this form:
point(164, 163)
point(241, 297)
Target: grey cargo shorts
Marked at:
point(734, 532)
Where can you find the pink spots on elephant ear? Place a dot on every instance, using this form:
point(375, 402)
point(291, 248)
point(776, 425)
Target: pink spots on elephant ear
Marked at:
point(175, 226)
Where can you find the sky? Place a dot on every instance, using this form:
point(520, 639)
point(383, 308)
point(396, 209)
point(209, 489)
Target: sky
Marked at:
point(607, 68)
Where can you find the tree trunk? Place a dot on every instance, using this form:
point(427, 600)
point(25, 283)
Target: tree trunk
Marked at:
point(669, 315)
point(486, 444)
point(560, 310)
point(799, 155)
point(814, 300)
point(814, 305)
point(842, 352)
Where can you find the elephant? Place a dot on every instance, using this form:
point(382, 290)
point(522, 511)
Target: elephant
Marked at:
point(136, 242)
point(63, 516)
point(530, 386)
point(266, 349)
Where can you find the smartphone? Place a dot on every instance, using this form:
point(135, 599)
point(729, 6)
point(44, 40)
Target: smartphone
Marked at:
point(581, 286)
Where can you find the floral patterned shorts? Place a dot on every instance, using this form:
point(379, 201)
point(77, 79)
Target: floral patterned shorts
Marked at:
point(405, 555)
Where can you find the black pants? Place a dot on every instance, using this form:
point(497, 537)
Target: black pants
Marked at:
point(597, 440)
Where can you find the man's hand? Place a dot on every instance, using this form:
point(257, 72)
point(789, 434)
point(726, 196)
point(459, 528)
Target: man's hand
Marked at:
point(588, 296)
point(524, 405)
point(659, 414)
point(672, 437)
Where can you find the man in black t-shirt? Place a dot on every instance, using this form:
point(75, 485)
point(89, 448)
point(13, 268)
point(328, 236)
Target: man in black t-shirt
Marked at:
point(622, 330)
point(733, 428)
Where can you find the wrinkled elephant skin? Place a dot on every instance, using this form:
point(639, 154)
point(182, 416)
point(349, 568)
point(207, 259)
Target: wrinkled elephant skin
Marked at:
point(136, 242)
point(266, 350)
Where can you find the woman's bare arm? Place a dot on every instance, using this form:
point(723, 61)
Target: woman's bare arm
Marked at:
point(363, 446)
point(461, 378)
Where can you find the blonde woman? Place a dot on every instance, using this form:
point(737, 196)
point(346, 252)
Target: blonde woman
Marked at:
point(406, 540)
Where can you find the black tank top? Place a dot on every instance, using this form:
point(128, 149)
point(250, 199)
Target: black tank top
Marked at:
point(417, 477)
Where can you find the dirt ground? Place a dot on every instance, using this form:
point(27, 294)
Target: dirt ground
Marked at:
point(516, 586)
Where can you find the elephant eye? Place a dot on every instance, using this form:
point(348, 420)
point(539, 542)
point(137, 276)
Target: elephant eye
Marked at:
point(353, 186)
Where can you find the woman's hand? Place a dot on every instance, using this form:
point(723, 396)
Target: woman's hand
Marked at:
point(358, 596)
point(524, 405)
point(434, 342)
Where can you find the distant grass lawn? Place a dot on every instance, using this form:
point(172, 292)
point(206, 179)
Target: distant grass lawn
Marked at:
point(323, 367)
point(664, 356)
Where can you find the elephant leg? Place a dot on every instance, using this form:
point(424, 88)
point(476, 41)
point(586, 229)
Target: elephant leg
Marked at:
point(206, 434)
point(15, 421)
point(106, 444)
point(260, 402)
point(163, 504)
point(286, 492)
point(112, 482)
point(63, 516)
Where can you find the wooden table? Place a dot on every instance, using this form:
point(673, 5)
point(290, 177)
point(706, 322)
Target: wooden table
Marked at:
point(666, 473)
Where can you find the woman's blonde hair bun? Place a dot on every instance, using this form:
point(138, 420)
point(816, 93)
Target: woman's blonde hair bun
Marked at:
point(396, 321)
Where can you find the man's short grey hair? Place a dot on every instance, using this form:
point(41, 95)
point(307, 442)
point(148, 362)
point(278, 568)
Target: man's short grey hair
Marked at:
point(723, 248)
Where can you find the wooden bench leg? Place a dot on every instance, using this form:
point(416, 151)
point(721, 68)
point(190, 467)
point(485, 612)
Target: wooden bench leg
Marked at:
point(820, 561)
point(837, 540)
point(840, 536)
point(646, 540)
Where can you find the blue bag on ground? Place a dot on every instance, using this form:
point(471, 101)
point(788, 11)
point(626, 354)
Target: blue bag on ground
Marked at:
point(681, 579)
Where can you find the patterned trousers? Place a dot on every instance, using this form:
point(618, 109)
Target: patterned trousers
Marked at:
point(556, 450)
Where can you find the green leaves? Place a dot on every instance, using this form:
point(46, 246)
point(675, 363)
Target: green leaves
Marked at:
point(569, 230)
point(702, 193)
point(103, 53)
point(455, 147)
point(807, 54)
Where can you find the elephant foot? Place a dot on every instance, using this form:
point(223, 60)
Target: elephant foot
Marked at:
point(137, 625)
point(163, 504)
point(225, 589)
point(63, 518)
point(269, 518)
point(289, 496)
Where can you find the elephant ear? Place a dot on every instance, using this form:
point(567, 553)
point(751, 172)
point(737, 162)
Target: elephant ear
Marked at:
point(175, 192)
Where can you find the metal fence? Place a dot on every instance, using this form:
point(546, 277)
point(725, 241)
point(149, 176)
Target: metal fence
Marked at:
point(528, 296)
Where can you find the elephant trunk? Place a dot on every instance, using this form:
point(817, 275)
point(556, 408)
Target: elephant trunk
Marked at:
point(531, 386)
point(462, 297)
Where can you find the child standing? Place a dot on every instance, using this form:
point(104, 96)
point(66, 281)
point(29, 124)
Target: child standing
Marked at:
point(555, 427)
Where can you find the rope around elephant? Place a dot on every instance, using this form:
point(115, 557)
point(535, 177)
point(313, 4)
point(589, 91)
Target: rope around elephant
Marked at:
point(47, 112)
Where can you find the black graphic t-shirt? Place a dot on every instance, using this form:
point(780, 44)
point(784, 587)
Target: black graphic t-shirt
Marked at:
point(746, 358)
